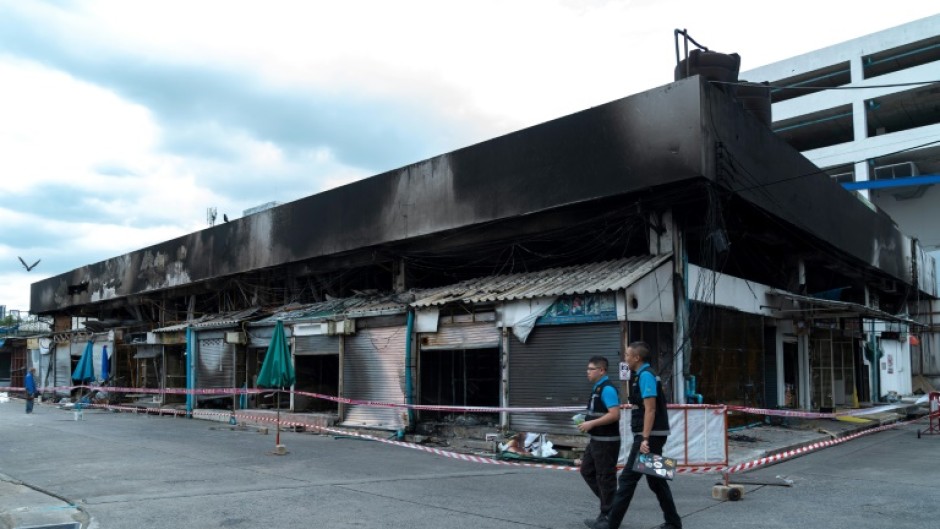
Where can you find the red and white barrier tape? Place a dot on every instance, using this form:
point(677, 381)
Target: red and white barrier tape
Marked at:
point(698, 469)
point(720, 408)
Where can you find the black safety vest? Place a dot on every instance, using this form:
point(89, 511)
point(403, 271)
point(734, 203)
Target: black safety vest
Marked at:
point(661, 421)
point(596, 409)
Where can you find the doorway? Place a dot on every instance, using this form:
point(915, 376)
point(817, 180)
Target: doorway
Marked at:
point(458, 377)
point(791, 375)
point(316, 373)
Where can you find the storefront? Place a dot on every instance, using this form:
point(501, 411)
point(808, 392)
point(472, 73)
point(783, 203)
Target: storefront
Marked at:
point(550, 323)
point(159, 362)
point(315, 350)
point(458, 361)
point(374, 370)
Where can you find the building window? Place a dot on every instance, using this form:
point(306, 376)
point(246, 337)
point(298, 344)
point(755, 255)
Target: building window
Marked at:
point(903, 110)
point(901, 58)
point(811, 82)
point(841, 174)
point(819, 129)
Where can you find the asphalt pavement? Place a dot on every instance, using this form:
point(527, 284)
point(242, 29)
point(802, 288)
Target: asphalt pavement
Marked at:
point(117, 470)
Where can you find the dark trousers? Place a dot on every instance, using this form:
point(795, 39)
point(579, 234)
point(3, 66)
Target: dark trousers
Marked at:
point(627, 485)
point(29, 404)
point(599, 470)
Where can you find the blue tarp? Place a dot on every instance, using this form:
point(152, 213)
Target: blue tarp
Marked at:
point(85, 369)
point(105, 364)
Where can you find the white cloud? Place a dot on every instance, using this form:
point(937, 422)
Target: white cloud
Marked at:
point(120, 176)
point(55, 128)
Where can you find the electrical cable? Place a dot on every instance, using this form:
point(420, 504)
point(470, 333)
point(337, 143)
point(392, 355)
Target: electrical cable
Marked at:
point(819, 88)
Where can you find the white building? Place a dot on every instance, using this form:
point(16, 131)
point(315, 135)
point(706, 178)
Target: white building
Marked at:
point(867, 112)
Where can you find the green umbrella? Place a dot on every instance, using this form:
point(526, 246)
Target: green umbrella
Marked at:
point(277, 371)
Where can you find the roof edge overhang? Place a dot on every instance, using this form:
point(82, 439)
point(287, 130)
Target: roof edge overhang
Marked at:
point(826, 308)
point(614, 149)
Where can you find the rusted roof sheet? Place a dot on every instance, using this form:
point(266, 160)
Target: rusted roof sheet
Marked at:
point(352, 307)
point(606, 276)
point(227, 319)
point(820, 306)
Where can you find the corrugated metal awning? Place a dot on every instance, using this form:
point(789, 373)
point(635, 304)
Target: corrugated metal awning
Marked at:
point(210, 321)
point(606, 276)
point(352, 307)
point(828, 308)
point(178, 326)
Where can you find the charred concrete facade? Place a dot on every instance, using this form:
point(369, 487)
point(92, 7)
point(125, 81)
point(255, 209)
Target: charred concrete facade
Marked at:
point(650, 151)
point(681, 171)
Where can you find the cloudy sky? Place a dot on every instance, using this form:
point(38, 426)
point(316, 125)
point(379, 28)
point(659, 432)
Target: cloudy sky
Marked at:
point(122, 121)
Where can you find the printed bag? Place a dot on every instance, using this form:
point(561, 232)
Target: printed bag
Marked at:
point(655, 465)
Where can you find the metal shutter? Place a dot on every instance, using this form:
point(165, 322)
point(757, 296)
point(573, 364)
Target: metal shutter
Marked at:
point(374, 369)
point(483, 335)
point(550, 370)
point(215, 362)
point(320, 344)
point(260, 337)
point(63, 368)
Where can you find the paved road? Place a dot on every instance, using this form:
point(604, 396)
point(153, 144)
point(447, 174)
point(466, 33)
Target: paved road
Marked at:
point(156, 472)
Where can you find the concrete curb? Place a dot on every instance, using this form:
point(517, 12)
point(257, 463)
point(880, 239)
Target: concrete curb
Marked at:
point(24, 505)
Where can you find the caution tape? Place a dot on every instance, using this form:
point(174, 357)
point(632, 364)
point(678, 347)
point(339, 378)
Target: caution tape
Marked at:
point(293, 423)
point(696, 469)
point(815, 415)
point(776, 458)
point(719, 408)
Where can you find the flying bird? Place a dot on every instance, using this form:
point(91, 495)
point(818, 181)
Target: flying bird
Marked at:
point(225, 217)
point(26, 266)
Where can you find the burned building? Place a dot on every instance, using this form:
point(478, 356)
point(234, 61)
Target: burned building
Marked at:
point(673, 216)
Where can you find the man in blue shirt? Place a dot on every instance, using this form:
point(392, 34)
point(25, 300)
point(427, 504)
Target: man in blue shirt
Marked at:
point(649, 422)
point(30, 389)
point(602, 422)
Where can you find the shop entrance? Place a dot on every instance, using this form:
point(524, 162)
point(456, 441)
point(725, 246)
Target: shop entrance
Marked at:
point(316, 373)
point(458, 377)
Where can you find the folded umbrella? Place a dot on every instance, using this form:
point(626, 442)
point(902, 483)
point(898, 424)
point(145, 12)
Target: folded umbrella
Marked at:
point(85, 369)
point(277, 371)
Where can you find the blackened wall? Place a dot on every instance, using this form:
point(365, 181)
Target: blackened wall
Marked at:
point(756, 164)
point(627, 145)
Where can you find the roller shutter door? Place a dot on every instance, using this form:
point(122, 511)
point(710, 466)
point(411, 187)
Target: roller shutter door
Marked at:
point(373, 369)
point(550, 370)
point(320, 344)
point(215, 361)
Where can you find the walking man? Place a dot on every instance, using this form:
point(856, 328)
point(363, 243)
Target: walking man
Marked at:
point(599, 463)
point(649, 423)
point(30, 389)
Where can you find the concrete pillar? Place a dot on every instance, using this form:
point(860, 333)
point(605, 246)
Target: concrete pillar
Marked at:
point(399, 284)
point(860, 124)
point(680, 287)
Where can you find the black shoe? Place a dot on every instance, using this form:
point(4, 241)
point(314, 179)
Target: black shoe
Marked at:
point(669, 526)
point(597, 524)
point(601, 518)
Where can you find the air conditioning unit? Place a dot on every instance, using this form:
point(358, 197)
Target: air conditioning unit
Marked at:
point(341, 327)
point(236, 338)
point(896, 170)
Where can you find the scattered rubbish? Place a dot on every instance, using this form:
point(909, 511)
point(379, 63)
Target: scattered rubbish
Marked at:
point(827, 432)
point(531, 444)
point(743, 438)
